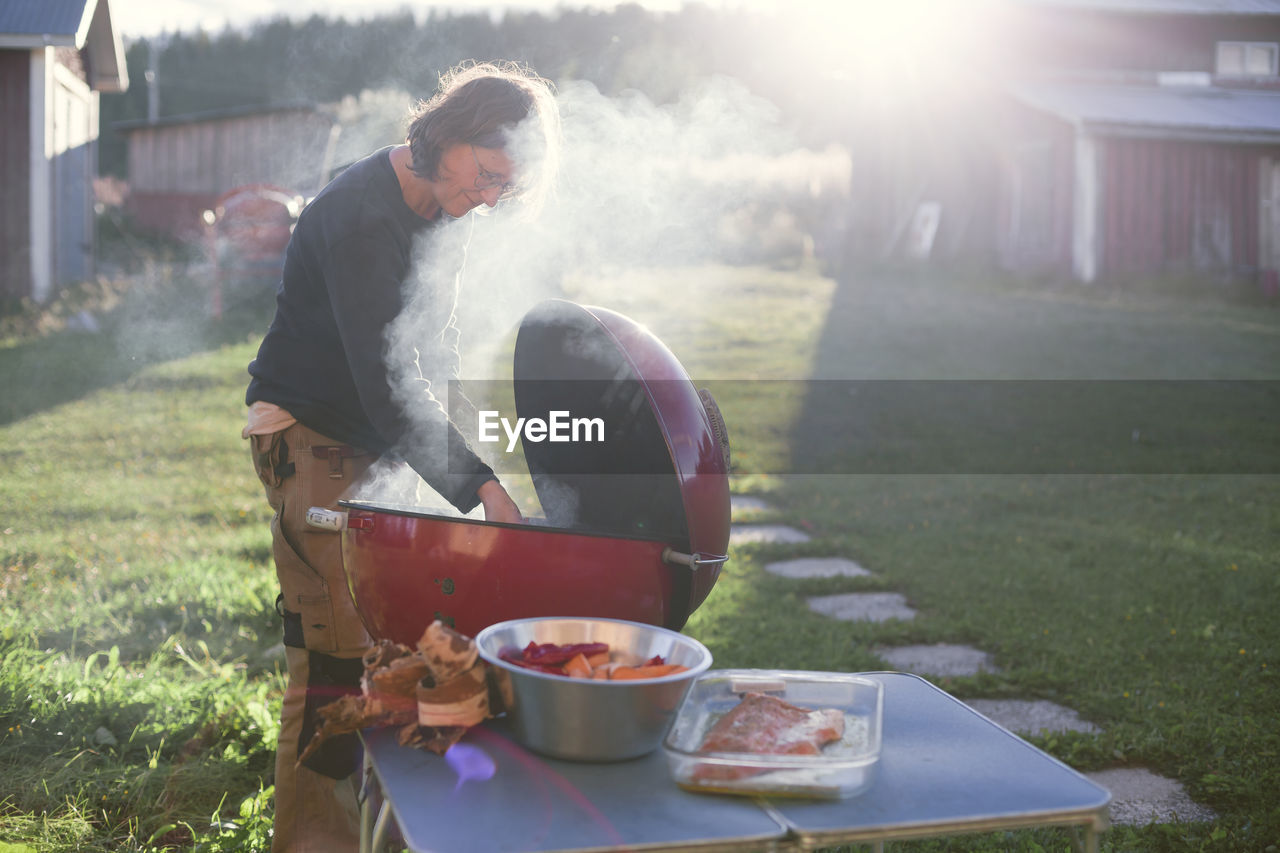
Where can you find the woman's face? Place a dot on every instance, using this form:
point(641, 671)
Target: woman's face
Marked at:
point(469, 176)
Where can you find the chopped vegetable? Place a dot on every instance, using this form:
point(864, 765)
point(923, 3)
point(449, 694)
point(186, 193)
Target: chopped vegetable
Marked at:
point(578, 667)
point(551, 654)
point(513, 656)
point(586, 660)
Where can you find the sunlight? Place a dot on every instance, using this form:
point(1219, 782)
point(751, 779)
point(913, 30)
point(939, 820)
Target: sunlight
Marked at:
point(894, 45)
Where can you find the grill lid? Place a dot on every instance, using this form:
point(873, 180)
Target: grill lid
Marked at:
point(647, 453)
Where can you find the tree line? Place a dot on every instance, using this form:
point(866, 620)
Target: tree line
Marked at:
point(323, 59)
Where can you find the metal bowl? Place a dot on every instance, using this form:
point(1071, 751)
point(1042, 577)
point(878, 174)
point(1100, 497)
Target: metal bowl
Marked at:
point(583, 719)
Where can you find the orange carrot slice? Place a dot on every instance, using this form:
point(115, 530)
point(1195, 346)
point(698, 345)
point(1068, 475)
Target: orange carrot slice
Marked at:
point(578, 667)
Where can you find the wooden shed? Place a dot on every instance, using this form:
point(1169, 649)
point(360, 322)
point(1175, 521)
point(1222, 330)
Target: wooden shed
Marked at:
point(56, 56)
point(1141, 138)
point(1094, 139)
point(179, 165)
point(1116, 182)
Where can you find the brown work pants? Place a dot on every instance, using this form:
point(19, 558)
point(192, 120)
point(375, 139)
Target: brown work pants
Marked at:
point(315, 804)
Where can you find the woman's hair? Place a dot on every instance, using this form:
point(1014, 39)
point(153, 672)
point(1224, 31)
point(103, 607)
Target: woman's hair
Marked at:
point(492, 105)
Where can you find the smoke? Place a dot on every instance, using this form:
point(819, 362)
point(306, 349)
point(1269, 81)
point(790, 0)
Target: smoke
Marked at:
point(367, 122)
point(639, 184)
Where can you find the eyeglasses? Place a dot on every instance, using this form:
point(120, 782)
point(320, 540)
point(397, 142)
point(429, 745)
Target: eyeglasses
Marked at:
point(486, 180)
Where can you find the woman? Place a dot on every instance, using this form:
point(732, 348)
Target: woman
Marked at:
point(323, 408)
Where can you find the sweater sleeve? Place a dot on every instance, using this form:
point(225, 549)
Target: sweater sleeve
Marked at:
point(364, 274)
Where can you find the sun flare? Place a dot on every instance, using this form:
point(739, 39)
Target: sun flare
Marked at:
point(892, 43)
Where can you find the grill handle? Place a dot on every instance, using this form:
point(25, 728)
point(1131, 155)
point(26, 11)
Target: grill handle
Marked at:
point(692, 561)
point(336, 520)
point(326, 519)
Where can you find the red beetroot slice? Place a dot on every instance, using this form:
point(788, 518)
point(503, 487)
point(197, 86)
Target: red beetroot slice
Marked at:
point(513, 656)
point(550, 654)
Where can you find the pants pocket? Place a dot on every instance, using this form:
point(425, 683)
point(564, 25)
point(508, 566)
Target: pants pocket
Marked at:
point(269, 452)
point(328, 680)
point(305, 592)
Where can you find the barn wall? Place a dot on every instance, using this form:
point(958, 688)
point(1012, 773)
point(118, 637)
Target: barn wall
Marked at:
point(1172, 206)
point(1072, 39)
point(177, 170)
point(1036, 201)
point(175, 214)
point(73, 124)
point(906, 154)
point(15, 174)
point(217, 155)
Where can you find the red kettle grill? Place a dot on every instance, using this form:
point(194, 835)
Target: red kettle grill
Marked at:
point(637, 524)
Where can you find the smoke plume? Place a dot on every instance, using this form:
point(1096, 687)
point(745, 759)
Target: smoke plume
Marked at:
point(639, 184)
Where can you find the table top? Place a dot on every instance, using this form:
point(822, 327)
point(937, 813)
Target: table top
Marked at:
point(946, 768)
point(533, 803)
point(943, 768)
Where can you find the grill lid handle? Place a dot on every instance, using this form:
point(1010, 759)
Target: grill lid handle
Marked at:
point(693, 561)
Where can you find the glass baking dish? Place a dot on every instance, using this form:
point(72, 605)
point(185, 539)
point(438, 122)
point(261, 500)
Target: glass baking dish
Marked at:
point(843, 768)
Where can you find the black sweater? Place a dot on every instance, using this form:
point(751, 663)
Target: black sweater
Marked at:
point(322, 359)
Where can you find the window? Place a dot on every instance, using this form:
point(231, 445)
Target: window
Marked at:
point(1248, 58)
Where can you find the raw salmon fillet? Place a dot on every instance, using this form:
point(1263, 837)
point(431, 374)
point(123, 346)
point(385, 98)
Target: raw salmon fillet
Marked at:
point(767, 725)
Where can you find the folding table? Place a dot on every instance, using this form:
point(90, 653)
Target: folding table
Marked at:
point(944, 769)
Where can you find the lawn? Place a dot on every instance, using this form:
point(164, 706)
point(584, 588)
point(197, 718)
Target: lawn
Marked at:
point(140, 647)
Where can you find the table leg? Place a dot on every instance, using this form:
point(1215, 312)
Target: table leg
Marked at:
point(367, 798)
point(379, 839)
point(1090, 844)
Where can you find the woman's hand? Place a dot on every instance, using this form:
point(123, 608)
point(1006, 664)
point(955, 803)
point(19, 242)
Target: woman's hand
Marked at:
point(498, 505)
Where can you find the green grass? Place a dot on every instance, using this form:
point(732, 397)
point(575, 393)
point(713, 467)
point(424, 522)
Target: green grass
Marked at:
point(1145, 602)
point(139, 685)
point(140, 674)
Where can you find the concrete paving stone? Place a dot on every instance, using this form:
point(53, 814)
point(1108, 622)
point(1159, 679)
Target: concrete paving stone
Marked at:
point(1031, 716)
point(1139, 797)
point(941, 659)
point(740, 504)
point(818, 567)
point(863, 606)
point(740, 534)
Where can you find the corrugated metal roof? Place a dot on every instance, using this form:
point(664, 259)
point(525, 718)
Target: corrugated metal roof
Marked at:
point(1192, 112)
point(61, 19)
point(82, 24)
point(1179, 7)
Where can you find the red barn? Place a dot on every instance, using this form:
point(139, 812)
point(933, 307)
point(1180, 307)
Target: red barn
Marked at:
point(1105, 140)
point(180, 165)
point(1146, 142)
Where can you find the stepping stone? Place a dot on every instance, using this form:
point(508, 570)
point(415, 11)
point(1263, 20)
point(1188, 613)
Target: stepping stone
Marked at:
point(1031, 717)
point(863, 607)
point(818, 567)
point(739, 504)
point(938, 660)
point(1139, 797)
point(740, 534)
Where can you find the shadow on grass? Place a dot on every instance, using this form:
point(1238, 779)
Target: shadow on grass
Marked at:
point(921, 376)
point(162, 324)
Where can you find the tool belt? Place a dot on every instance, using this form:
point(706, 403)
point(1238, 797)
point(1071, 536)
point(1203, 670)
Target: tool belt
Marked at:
point(335, 453)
